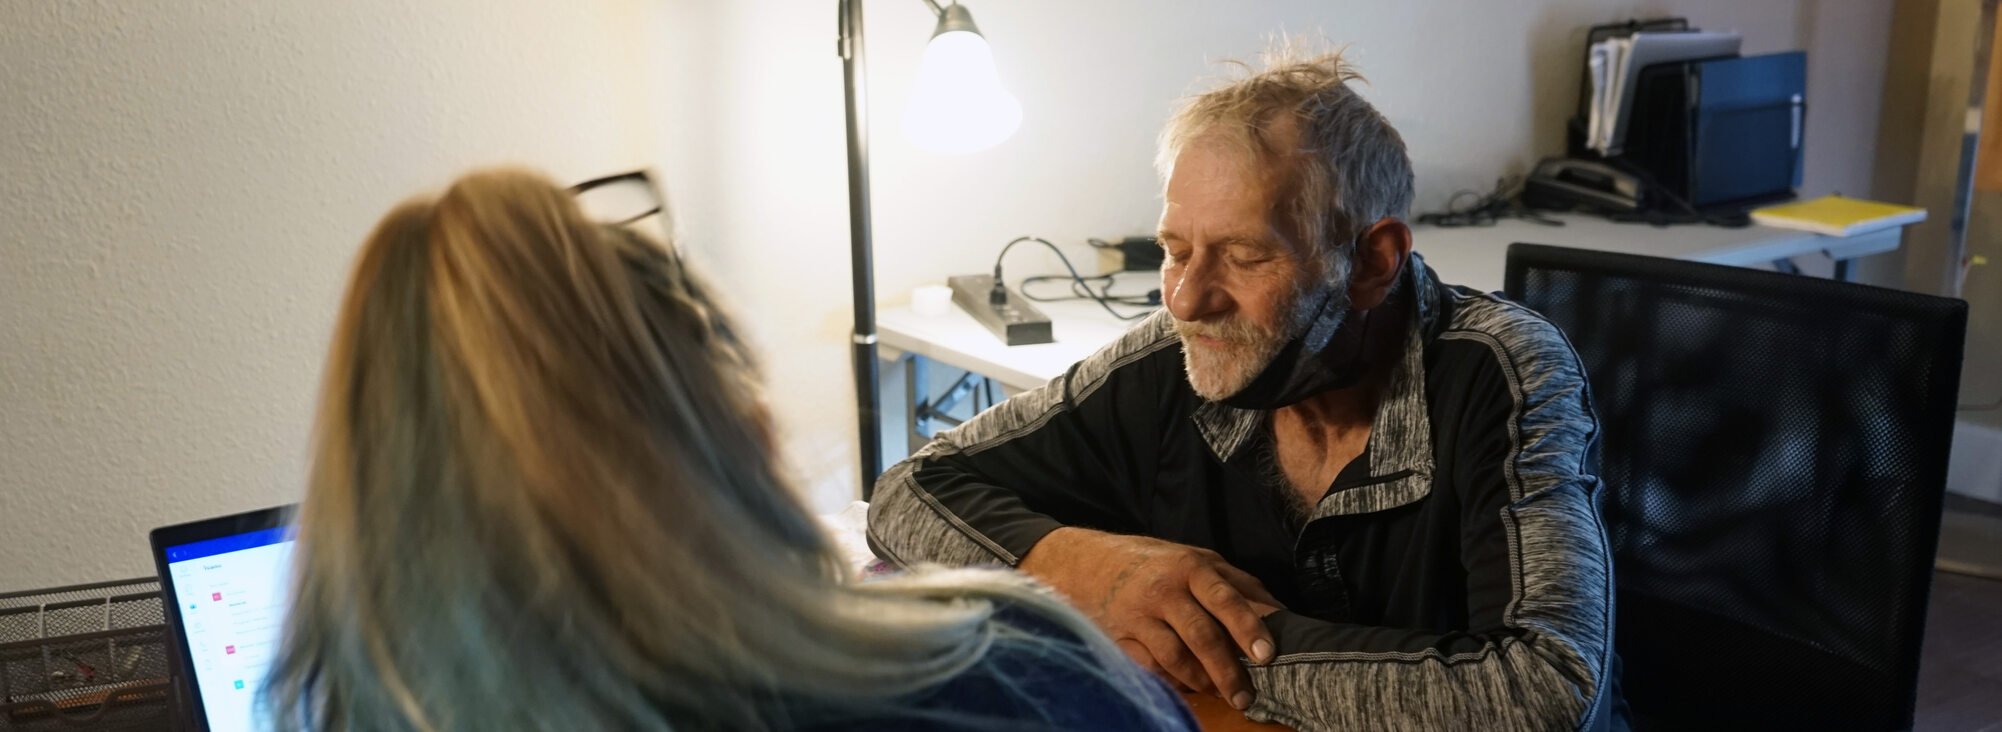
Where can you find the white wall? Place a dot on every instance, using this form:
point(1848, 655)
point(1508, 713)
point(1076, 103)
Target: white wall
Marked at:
point(1478, 89)
point(182, 186)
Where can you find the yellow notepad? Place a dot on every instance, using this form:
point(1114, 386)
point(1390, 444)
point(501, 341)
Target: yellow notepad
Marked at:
point(1838, 216)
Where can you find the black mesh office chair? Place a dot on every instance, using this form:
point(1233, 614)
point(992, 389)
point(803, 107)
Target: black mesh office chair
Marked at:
point(1774, 453)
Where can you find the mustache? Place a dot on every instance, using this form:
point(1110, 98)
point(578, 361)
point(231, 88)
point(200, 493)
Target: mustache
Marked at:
point(1235, 330)
point(1231, 330)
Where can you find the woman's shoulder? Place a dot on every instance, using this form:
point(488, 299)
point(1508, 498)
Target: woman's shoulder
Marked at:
point(1038, 675)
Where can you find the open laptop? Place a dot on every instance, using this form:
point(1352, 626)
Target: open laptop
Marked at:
point(224, 583)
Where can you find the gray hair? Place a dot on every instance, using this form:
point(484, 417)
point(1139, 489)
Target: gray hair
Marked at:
point(1344, 167)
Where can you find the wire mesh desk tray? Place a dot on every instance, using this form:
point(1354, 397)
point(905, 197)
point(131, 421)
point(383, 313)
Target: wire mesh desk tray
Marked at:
point(89, 656)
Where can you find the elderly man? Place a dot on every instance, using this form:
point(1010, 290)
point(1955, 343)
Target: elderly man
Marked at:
point(1322, 485)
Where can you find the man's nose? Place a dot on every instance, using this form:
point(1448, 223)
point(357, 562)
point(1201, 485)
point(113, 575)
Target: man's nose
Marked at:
point(1199, 293)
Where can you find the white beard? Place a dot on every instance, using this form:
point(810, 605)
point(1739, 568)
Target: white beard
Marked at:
point(1217, 371)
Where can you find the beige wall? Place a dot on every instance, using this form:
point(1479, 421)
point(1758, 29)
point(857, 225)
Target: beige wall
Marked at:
point(1935, 70)
point(1983, 286)
point(1981, 380)
point(184, 186)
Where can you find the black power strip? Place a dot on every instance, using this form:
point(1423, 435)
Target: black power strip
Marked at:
point(1131, 254)
point(1013, 319)
point(1140, 254)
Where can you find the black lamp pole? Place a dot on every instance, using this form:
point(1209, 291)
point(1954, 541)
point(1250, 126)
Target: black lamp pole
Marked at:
point(867, 388)
point(953, 17)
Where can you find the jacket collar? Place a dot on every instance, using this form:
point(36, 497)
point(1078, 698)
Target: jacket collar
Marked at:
point(1401, 433)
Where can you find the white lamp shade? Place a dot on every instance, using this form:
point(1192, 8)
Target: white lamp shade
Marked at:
point(958, 105)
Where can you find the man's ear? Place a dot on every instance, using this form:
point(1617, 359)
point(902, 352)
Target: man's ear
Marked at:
point(1381, 253)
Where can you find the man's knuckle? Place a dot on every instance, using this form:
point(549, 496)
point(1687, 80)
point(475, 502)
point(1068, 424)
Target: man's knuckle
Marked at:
point(1171, 588)
point(1150, 593)
point(1220, 591)
point(1208, 637)
point(1139, 654)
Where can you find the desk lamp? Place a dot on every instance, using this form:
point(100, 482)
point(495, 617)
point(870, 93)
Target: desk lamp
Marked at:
point(958, 106)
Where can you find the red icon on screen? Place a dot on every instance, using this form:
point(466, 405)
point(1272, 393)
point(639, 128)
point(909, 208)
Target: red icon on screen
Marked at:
point(215, 597)
point(229, 650)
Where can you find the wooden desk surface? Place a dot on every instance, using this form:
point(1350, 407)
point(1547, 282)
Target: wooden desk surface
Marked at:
point(1216, 716)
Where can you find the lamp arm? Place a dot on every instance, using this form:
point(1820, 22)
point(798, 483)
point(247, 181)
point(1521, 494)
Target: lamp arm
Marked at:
point(847, 34)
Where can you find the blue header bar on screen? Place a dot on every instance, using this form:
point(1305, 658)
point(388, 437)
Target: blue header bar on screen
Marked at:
point(227, 544)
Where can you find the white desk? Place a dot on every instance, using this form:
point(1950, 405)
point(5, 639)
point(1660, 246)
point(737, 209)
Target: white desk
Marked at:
point(1080, 327)
point(1475, 255)
point(1471, 256)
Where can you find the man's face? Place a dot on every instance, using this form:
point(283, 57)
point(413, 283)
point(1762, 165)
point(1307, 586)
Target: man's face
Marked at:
point(1237, 284)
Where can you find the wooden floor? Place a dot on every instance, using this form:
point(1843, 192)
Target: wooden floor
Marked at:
point(1960, 673)
point(1970, 537)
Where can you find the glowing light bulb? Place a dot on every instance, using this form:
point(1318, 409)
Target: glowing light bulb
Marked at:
point(958, 105)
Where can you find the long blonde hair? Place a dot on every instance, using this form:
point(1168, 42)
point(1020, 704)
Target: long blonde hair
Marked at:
point(543, 497)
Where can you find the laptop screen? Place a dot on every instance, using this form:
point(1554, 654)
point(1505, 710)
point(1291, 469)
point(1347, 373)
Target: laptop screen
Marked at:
point(232, 591)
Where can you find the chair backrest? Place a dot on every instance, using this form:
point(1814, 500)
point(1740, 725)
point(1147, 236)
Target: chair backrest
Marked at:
point(1774, 451)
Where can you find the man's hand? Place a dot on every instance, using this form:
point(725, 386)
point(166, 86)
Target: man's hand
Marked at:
point(1181, 612)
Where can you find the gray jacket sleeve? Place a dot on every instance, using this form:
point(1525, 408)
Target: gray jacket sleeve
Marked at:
point(1066, 453)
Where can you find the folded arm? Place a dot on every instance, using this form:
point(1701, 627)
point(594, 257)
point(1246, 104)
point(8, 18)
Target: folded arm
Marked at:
point(1064, 454)
point(1538, 654)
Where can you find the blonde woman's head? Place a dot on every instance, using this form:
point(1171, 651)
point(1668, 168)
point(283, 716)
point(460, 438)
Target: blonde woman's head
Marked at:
point(542, 497)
